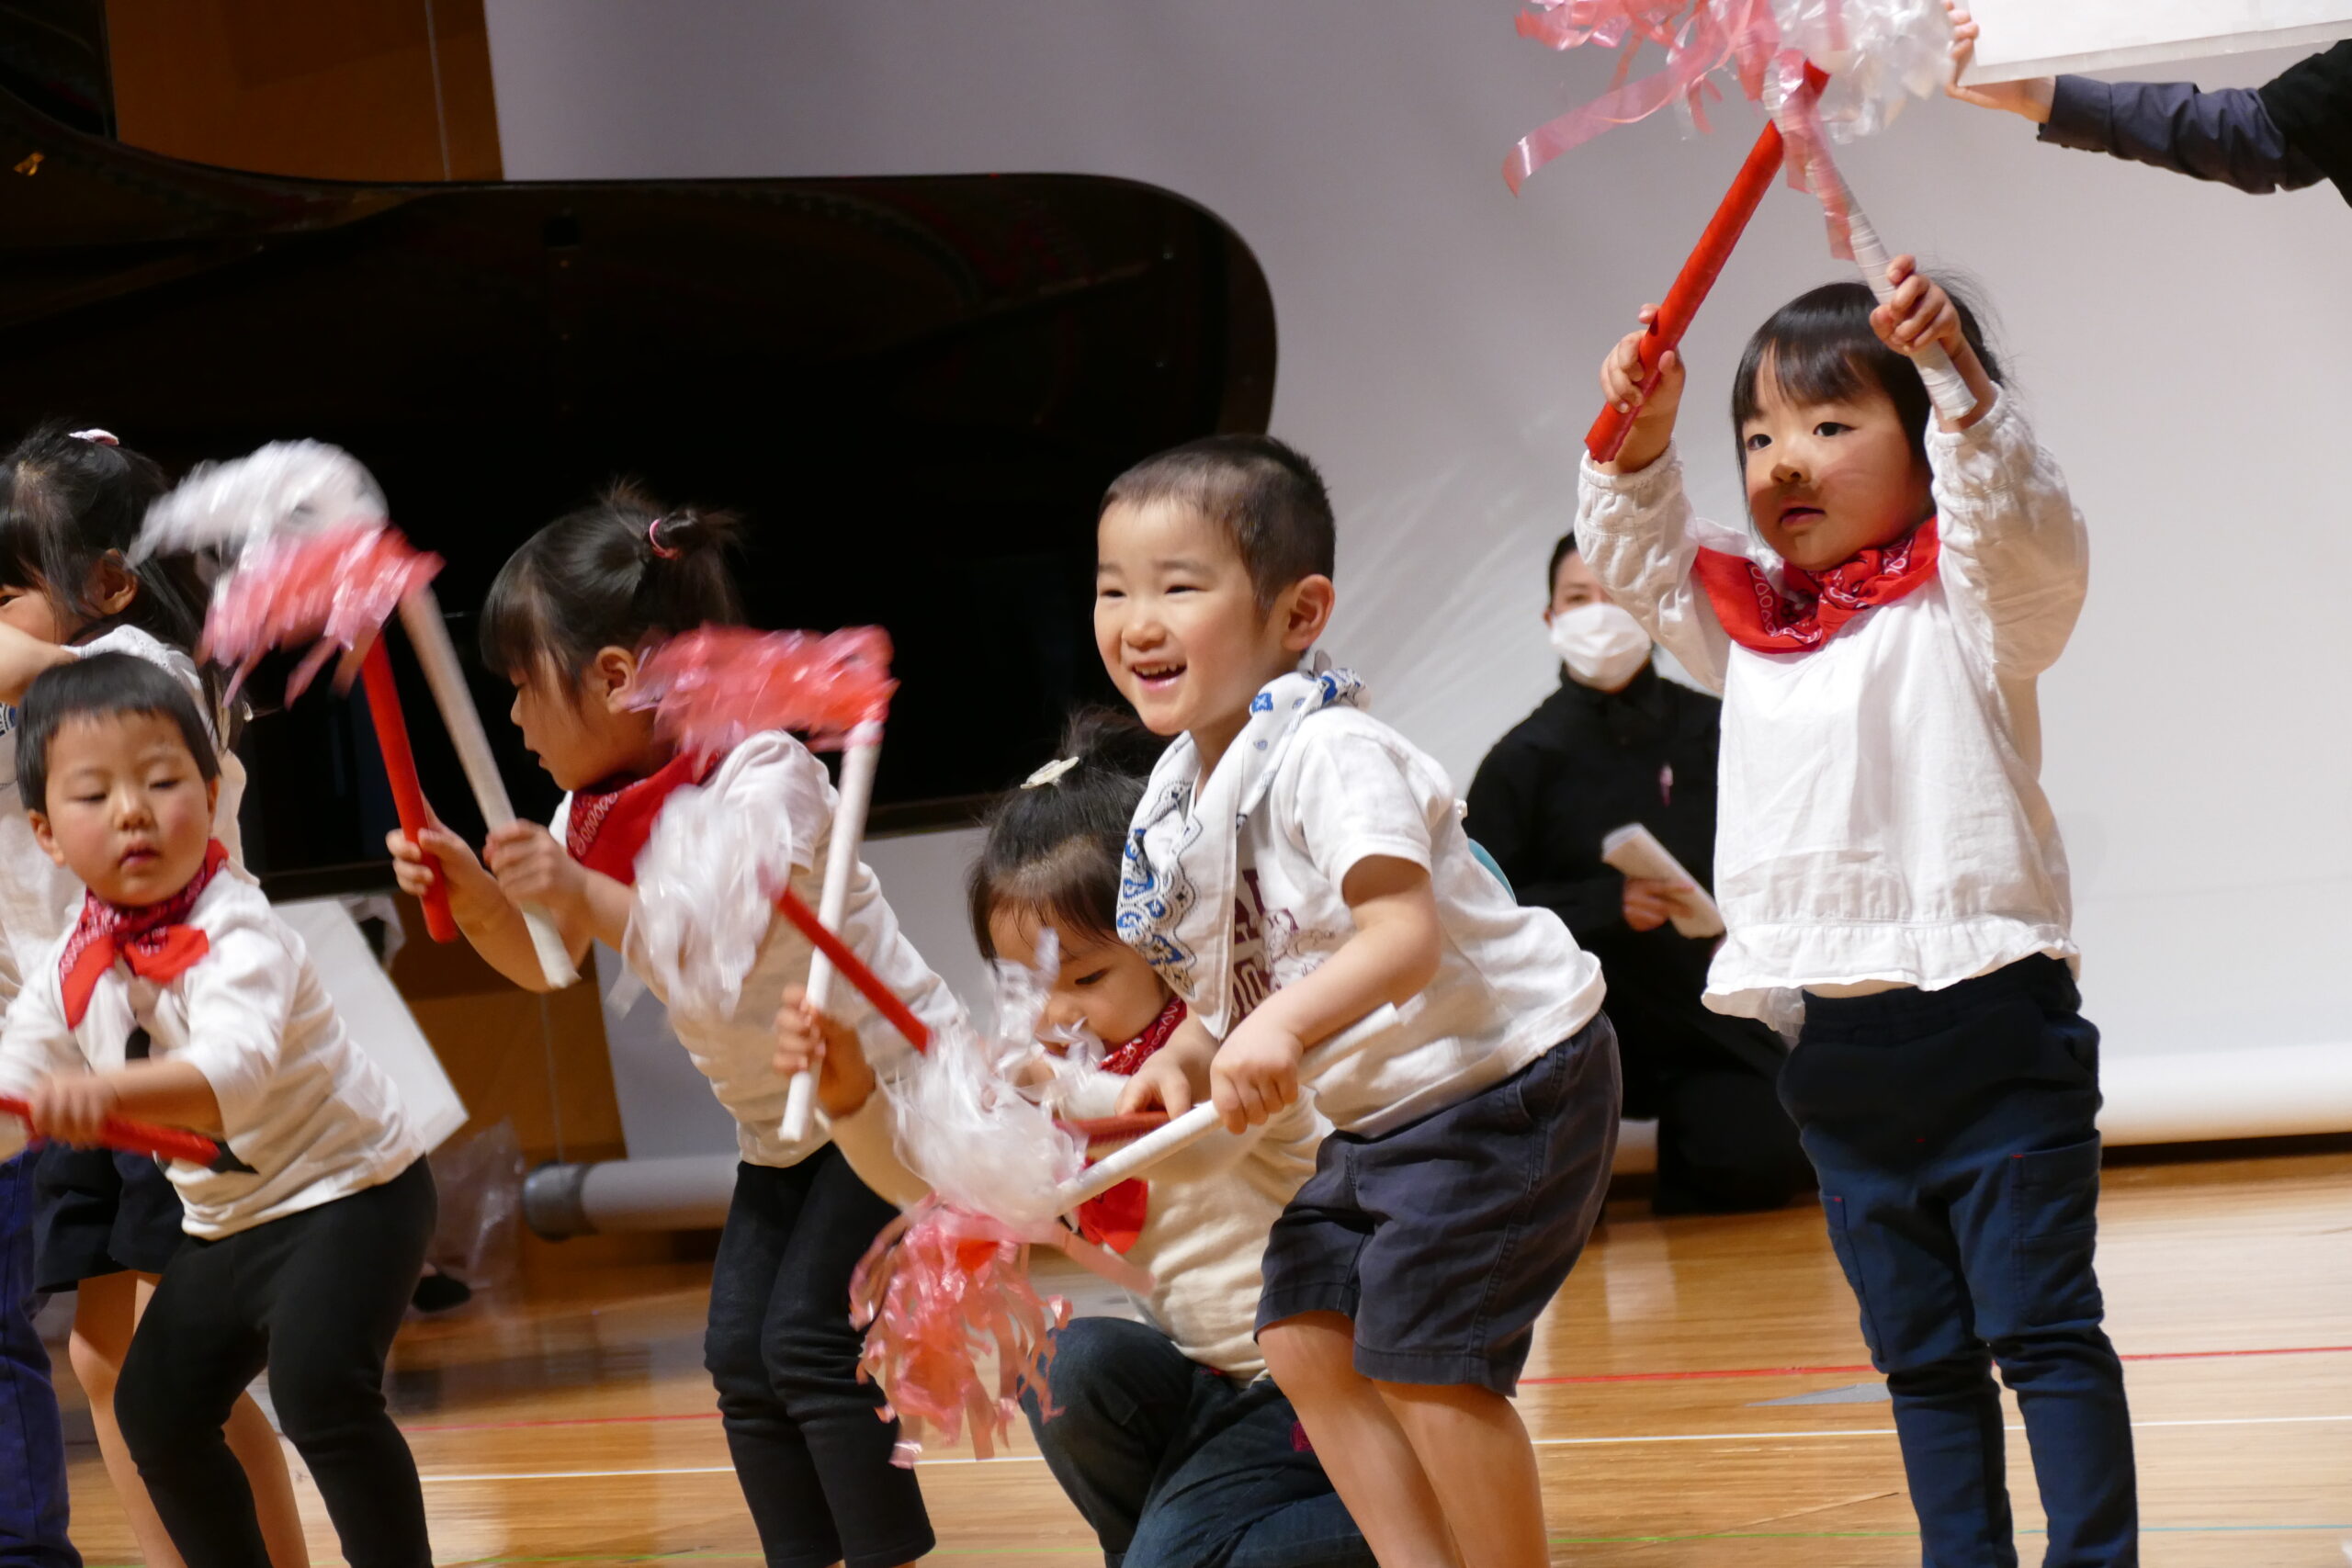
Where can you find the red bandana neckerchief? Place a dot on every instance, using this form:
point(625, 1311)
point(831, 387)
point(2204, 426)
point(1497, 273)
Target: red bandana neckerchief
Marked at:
point(1115, 1219)
point(608, 827)
point(150, 938)
point(1813, 608)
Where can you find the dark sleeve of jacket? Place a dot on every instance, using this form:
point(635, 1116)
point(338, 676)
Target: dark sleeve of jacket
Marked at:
point(2233, 136)
point(2311, 102)
point(1505, 796)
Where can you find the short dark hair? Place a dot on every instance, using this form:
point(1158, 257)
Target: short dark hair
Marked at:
point(1053, 849)
point(621, 572)
point(1560, 552)
point(1264, 493)
point(1820, 347)
point(104, 686)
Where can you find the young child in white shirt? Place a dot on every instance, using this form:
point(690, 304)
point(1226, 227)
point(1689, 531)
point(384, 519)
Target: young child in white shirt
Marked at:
point(568, 620)
point(105, 1224)
point(180, 998)
point(1888, 866)
point(1166, 1434)
point(1294, 865)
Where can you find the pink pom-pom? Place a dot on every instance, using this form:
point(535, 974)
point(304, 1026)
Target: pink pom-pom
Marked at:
point(712, 688)
point(334, 586)
point(940, 1288)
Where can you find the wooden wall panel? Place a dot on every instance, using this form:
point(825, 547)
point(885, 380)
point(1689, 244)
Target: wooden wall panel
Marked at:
point(339, 90)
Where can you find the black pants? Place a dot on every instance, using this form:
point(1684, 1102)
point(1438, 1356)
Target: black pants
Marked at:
point(1955, 1134)
point(1178, 1466)
point(315, 1297)
point(813, 1458)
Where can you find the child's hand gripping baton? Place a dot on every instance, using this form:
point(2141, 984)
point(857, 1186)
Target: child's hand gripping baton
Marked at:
point(132, 1137)
point(429, 635)
point(1947, 388)
point(1182, 1131)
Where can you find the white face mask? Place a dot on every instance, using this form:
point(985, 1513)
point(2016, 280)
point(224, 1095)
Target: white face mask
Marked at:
point(1601, 645)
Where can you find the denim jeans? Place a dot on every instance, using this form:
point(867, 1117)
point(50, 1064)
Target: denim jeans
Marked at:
point(812, 1458)
point(32, 1443)
point(1177, 1466)
point(1955, 1134)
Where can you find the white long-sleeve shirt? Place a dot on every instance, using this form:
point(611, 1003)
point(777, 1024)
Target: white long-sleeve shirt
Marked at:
point(1205, 1220)
point(1881, 815)
point(300, 1103)
point(775, 780)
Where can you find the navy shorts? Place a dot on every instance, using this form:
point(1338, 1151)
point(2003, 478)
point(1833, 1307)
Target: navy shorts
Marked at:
point(1445, 1239)
point(98, 1212)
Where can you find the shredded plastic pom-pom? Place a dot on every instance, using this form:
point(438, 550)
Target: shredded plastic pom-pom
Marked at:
point(285, 487)
point(949, 1282)
point(333, 588)
point(713, 687)
point(1879, 54)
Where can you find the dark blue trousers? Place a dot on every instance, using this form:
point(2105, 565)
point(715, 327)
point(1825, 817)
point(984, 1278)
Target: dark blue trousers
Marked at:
point(1177, 1466)
point(1953, 1131)
point(32, 1443)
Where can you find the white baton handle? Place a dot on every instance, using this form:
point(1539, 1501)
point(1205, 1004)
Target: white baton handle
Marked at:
point(429, 635)
point(1946, 388)
point(858, 760)
point(1198, 1122)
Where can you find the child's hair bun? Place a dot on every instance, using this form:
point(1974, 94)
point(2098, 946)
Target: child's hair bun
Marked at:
point(685, 530)
point(1114, 741)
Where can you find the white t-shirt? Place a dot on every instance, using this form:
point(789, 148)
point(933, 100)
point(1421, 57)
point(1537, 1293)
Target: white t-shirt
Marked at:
point(39, 898)
point(300, 1103)
point(1205, 1218)
point(1512, 981)
point(1881, 818)
point(737, 1053)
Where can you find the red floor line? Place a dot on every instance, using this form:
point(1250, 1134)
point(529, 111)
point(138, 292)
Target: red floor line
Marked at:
point(1697, 1375)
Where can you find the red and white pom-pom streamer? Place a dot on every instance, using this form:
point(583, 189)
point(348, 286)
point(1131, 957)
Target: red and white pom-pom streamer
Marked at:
point(713, 687)
point(333, 589)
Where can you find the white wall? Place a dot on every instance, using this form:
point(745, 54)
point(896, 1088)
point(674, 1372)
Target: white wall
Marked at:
point(2181, 345)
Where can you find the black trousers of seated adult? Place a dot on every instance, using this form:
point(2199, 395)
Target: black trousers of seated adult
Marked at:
point(811, 1452)
point(315, 1297)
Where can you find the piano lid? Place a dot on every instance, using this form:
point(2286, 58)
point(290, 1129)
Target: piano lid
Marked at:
point(916, 387)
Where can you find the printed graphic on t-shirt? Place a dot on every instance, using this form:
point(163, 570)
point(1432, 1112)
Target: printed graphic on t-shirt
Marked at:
point(1269, 951)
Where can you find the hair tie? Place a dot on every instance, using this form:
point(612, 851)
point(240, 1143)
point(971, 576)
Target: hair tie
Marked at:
point(653, 538)
point(102, 437)
point(1050, 774)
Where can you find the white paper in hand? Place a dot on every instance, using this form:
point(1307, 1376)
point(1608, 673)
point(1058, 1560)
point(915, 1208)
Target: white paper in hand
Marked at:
point(1635, 850)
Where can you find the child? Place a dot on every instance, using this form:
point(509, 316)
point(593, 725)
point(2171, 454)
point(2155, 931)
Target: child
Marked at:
point(568, 620)
point(1166, 1434)
point(180, 998)
point(1886, 850)
point(1296, 863)
point(71, 503)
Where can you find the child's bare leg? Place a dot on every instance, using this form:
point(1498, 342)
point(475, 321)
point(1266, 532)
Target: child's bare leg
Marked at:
point(1371, 1464)
point(263, 1456)
point(1476, 1455)
point(105, 1311)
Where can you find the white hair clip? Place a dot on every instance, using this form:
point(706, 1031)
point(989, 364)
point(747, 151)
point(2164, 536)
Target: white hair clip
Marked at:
point(103, 437)
point(1050, 774)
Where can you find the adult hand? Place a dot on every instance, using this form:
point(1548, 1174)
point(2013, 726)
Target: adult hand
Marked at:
point(2031, 97)
point(1650, 901)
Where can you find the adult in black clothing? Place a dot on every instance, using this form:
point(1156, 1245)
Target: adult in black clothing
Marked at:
point(1617, 744)
point(2293, 131)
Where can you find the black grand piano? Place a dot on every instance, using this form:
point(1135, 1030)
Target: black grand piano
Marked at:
point(916, 387)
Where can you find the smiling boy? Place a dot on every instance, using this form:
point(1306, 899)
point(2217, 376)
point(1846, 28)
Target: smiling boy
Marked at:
point(1287, 834)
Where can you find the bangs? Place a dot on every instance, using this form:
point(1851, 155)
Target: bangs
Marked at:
point(1073, 888)
point(516, 635)
point(1819, 348)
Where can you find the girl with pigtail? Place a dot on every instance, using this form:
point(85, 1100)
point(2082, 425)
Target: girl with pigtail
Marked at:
point(571, 620)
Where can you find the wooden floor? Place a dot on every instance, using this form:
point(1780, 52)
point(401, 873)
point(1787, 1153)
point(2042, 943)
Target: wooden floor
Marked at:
point(580, 1431)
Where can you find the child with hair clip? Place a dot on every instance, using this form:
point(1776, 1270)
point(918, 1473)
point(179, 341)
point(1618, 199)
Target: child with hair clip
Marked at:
point(1888, 867)
point(1167, 1434)
point(568, 620)
point(104, 1224)
point(179, 997)
point(1294, 865)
